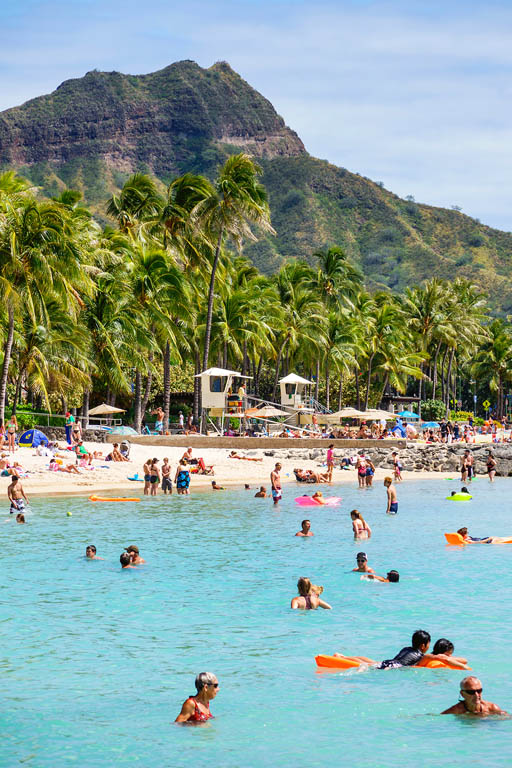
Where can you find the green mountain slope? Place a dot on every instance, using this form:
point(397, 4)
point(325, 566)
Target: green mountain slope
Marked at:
point(92, 132)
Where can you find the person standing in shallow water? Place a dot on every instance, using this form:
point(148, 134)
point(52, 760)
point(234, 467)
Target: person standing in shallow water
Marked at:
point(472, 702)
point(275, 481)
point(392, 505)
point(196, 709)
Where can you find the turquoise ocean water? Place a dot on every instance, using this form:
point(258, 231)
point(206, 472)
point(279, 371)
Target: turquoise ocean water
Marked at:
point(95, 662)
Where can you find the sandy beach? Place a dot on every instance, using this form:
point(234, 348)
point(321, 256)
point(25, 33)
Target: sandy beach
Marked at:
point(111, 478)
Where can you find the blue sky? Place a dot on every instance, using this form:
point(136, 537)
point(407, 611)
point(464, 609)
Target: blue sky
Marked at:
point(416, 94)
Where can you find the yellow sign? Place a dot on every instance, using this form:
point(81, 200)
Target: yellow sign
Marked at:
point(486, 404)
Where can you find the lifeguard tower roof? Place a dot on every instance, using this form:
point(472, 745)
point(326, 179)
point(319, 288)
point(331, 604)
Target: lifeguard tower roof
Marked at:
point(292, 378)
point(221, 372)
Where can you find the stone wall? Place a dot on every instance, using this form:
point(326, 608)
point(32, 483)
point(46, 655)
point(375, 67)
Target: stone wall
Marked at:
point(263, 443)
point(444, 458)
point(90, 435)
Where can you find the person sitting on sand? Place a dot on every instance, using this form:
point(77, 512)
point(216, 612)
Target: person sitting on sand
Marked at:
point(203, 468)
point(235, 455)
point(306, 529)
point(90, 553)
point(359, 525)
point(216, 487)
point(115, 454)
point(362, 564)
point(307, 599)
point(125, 560)
point(196, 709)
point(71, 469)
point(262, 493)
point(472, 702)
point(133, 551)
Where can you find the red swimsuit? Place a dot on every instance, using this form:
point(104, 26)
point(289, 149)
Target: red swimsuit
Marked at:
point(198, 716)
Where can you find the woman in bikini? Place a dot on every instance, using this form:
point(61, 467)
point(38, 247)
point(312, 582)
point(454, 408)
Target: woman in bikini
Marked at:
point(361, 471)
point(491, 466)
point(196, 709)
point(12, 427)
point(154, 477)
point(308, 599)
point(359, 525)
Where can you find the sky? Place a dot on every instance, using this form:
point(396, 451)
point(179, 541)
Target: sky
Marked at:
point(414, 94)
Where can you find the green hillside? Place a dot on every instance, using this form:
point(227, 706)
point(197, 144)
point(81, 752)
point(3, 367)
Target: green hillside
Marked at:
point(92, 132)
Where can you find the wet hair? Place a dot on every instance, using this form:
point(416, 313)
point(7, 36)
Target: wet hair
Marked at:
point(393, 576)
point(356, 515)
point(125, 559)
point(91, 546)
point(305, 521)
point(420, 637)
point(443, 646)
point(204, 678)
point(453, 493)
point(388, 481)
point(20, 517)
point(464, 489)
point(462, 531)
point(316, 589)
point(304, 586)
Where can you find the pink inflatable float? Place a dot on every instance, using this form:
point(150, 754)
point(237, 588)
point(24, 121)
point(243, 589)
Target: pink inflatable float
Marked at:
point(309, 501)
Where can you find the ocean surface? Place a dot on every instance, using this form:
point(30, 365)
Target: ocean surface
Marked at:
point(96, 662)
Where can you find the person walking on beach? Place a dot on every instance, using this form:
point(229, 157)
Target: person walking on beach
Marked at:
point(16, 495)
point(275, 482)
point(166, 477)
point(392, 505)
point(70, 420)
point(330, 461)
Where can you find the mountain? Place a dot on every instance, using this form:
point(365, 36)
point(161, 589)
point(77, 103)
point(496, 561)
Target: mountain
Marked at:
point(93, 132)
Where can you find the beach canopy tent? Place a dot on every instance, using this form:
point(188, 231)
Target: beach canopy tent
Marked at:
point(31, 438)
point(293, 378)
point(267, 412)
point(104, 410)
point(123, 431)
point(375, 413)
point(406, 415)
point(430, 425)
point(345, 413)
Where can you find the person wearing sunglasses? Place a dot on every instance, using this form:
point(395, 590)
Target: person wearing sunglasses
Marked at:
point(362, 564)
point(196, 709)
point(472, 702)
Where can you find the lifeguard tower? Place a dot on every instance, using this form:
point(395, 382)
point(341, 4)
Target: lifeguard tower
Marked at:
point(293, 397)
point(217, 400)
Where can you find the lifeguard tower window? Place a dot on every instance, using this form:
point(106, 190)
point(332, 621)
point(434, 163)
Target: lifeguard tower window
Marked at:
point(290, 389)
point(217, 383)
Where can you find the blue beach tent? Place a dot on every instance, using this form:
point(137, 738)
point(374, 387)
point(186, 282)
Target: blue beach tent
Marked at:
point(31, 438)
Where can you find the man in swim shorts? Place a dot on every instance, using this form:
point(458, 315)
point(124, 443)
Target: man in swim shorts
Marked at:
point(275, 481)
point(306, 529)
point(472, 702)
point(392, 505)
point(16, 495)
point(133, 551)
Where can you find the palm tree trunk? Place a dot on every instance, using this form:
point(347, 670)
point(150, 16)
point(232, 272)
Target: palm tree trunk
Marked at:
point(85, 409)
point(147, 388)
point(211, 294)
point(137, 411)
point(317, 379)
point(368, 381)
point(420, 389)
point(386, 379)
point(167, 385)
point(197, 388)
point(7, 360)
point(258, 375)
point(278, 365)
point(448, 379)
point(358, 391)
point(244, 358)
point(434, 378)
point(340, 392)
point(443, 380)
point(327, 384)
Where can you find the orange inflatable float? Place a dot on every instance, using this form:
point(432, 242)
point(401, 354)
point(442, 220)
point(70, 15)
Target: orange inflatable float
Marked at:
point(457, 539)
point(110, 498)
point(347, 662)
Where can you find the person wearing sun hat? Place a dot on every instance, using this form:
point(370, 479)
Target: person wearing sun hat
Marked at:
point(133, 551)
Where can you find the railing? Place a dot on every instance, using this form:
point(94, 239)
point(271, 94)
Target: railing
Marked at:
point(46, 417)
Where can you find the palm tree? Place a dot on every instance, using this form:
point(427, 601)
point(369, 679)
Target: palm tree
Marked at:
point(493, 361)
point(238, 201)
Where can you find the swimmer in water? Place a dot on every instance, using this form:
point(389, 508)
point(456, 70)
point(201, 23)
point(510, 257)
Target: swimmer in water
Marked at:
point(307, 599)
point(446, 647)
point(216, 487)
point(262, 493)
point(196, 709)
point(362, 564)
point(20, 517)
point(359, 525)
point(133, 551)
point(472, 702)
point(125, 560)
point(306, 529)
point(392, 505)
point(411, 655)
point(392, 577)
point(318, 497)
point(90, 553)
point(485, 540)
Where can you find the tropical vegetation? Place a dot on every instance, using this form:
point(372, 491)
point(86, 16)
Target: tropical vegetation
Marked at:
point(128, 312)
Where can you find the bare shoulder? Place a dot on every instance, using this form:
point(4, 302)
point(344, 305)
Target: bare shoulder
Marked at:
point(494, 709)
point(457, 709)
